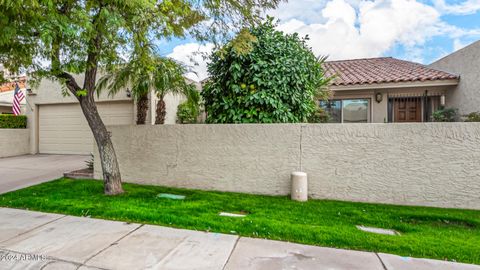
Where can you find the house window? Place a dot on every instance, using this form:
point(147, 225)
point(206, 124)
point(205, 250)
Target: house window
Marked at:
point(347, 110)
point(334, 109)
point(355, 111)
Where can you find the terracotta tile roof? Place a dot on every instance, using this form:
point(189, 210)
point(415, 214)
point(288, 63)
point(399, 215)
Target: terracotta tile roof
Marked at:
point(9, 86)
point(382, 70)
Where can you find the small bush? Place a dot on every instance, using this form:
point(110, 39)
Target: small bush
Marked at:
point(319, 116)
point(473, 117)
point(445, 115)
point(186, 113)
point(12, 121)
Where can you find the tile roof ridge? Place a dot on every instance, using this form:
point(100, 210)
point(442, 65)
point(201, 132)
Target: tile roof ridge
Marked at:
point(365, 58)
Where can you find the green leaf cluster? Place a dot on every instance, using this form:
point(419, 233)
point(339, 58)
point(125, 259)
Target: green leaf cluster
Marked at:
point(473, 117)
point(445, 115)
point(144, 74)
point(12, 121)
point(49, 38)
point(189, 110)
point(274, 78)
point(187, 114)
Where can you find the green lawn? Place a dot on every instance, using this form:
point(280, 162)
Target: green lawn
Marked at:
point(425, 232)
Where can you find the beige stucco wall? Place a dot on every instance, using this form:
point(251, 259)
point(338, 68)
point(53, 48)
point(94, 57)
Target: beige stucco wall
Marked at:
point(50, 92)
point(465, 62)
point(431, 164)
point(14, 142)
point(242, 158)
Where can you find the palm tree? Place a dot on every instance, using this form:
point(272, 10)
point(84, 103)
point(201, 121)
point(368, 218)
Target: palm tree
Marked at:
point(145, 74)
point(129, 75)
point(168, 79)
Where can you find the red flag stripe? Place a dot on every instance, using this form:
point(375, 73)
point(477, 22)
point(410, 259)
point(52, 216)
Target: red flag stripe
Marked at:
point(16, 103)
point(18, 96)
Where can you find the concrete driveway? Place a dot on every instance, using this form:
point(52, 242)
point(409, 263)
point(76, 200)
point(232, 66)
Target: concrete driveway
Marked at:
point(23, 171)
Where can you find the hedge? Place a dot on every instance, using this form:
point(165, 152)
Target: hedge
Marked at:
point(12, 121)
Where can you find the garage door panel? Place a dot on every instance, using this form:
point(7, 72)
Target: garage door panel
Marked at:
point(63, 149)
point(64, 130)
point(65, 140)
point(71, 126)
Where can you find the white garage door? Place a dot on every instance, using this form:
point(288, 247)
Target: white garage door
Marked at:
point(64, 130)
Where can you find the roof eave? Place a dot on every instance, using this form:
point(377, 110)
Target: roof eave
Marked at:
point(390, 85)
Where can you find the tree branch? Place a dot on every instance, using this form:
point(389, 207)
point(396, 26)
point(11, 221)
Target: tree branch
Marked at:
point(70, 82)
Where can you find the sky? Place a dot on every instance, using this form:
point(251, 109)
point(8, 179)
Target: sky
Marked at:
point(415, 30)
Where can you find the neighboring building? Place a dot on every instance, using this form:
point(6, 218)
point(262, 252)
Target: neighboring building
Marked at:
point(7, 90)
point(385, 89)
point(58, 126)
point(10, 85)
point(466, 62)
point(6, 100)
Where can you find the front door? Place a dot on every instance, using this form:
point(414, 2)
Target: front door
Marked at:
point(408, 109)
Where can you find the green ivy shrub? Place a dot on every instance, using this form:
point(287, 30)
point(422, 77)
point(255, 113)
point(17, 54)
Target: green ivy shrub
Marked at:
point(445, 115)
point(12, 121)
point(186, 113)
point(272, 78)
point(473, 117)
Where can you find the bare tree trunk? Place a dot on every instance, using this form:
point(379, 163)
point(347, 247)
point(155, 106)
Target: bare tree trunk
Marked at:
point(142, 108)
point(161, 112)
point(111, 172)
point(108, 158)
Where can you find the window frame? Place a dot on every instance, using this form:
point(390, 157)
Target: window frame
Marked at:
point(369, 107)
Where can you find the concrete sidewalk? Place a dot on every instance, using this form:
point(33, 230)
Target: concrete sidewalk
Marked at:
point(34, 240)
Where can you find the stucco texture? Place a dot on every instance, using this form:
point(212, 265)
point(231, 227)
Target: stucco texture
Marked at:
point(430, 164)
point(465, 62)
point(14, 142)
point(239, 158)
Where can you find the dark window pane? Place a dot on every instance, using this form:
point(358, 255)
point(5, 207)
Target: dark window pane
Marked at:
point(390, 110)
point(334, 109)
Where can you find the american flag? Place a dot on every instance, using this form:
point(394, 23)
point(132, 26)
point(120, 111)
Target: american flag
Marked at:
point(18, 96)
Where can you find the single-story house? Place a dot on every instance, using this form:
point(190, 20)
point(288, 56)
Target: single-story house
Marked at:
point(58, 126)
point(386, 89)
